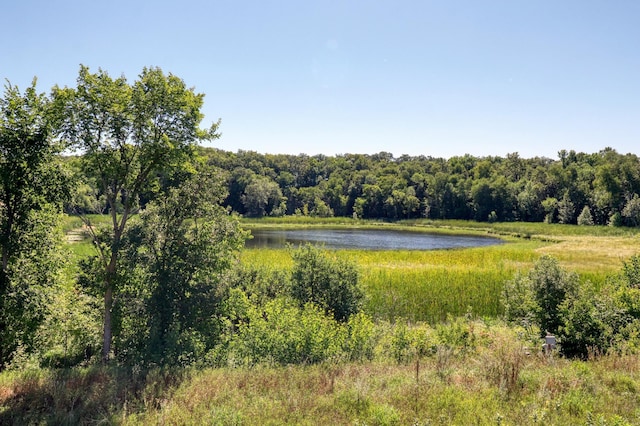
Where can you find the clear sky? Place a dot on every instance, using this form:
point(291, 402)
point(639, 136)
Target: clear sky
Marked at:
point(439, 78)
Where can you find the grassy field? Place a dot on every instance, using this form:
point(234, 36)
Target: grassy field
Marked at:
point(494, 380)
point(442, 357)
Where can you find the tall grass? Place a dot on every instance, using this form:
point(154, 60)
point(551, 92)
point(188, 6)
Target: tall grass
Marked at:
point(430, 285)
point(489, 386)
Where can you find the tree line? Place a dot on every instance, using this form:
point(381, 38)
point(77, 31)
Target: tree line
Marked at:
point(597, 188)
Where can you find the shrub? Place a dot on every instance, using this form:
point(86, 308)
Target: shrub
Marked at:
point(551, 286)
point(326, 280)
point(538, 295)
point(362, 338)
point(615, 220)
point(283, 333)
point(519, 300)
point(596, 320)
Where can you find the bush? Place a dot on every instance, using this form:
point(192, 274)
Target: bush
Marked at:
point(536, 297)
point(326, 280)
point(615, 220)
point(597, 320)
point(551, 286)
point(283, 333)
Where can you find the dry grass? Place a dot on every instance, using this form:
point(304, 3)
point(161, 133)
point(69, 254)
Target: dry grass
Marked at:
point(551, 391)
point(591, 253)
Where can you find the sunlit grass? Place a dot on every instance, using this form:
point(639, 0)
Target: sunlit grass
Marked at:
point(430, 285)
point(456, 390)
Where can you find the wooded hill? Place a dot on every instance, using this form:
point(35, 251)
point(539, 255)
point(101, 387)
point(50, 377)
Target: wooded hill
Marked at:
point(598, 188)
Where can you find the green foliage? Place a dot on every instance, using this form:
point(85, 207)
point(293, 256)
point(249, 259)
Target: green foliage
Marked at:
point(631, 272)
point(130, 135)
point(177, 258)
point(585, 217)
point(263, 197)
point(586, 318)
point(411, 341)
point(536, 298)
point(261, 282)
point(361, 339)
point(326, 280)
point(631, 211)
point(380, 186)
point(519, 300)
point(32, 188)
point(283, 333)
point(603, 319)
point(615, 220)
point(551, 285)
point(566, 209)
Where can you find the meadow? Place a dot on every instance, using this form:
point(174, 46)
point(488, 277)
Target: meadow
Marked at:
point(442, 354)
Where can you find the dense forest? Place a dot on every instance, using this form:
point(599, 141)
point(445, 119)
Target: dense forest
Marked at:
point(586, 188)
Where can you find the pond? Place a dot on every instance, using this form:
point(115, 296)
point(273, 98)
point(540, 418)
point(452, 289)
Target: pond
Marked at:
point(365, 239)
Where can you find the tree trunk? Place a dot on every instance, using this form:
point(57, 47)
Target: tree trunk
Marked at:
point(108, 305)
point(108, 299)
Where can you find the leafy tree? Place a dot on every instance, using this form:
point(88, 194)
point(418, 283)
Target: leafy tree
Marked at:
point(482, 198)
point(550, 206)
point(181, 248)
point(263, 197)
point(129, 134)
point(326, 280)
point(32, 186)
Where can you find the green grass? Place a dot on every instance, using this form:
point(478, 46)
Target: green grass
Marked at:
point(494, 382)
point(430, 285)
point(71, 222)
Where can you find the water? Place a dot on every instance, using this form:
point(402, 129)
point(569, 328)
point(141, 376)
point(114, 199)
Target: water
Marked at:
point(364, 239)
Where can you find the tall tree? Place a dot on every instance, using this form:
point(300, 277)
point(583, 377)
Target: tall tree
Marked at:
point(180, 249)
point(30, 181)
point(129, 134)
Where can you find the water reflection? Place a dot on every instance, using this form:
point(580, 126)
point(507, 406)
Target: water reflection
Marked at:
point(367, 239)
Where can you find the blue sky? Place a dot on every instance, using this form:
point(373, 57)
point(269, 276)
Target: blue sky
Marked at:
point(439, 78)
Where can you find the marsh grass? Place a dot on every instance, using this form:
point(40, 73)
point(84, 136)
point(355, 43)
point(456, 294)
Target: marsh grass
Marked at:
point(429, 285)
